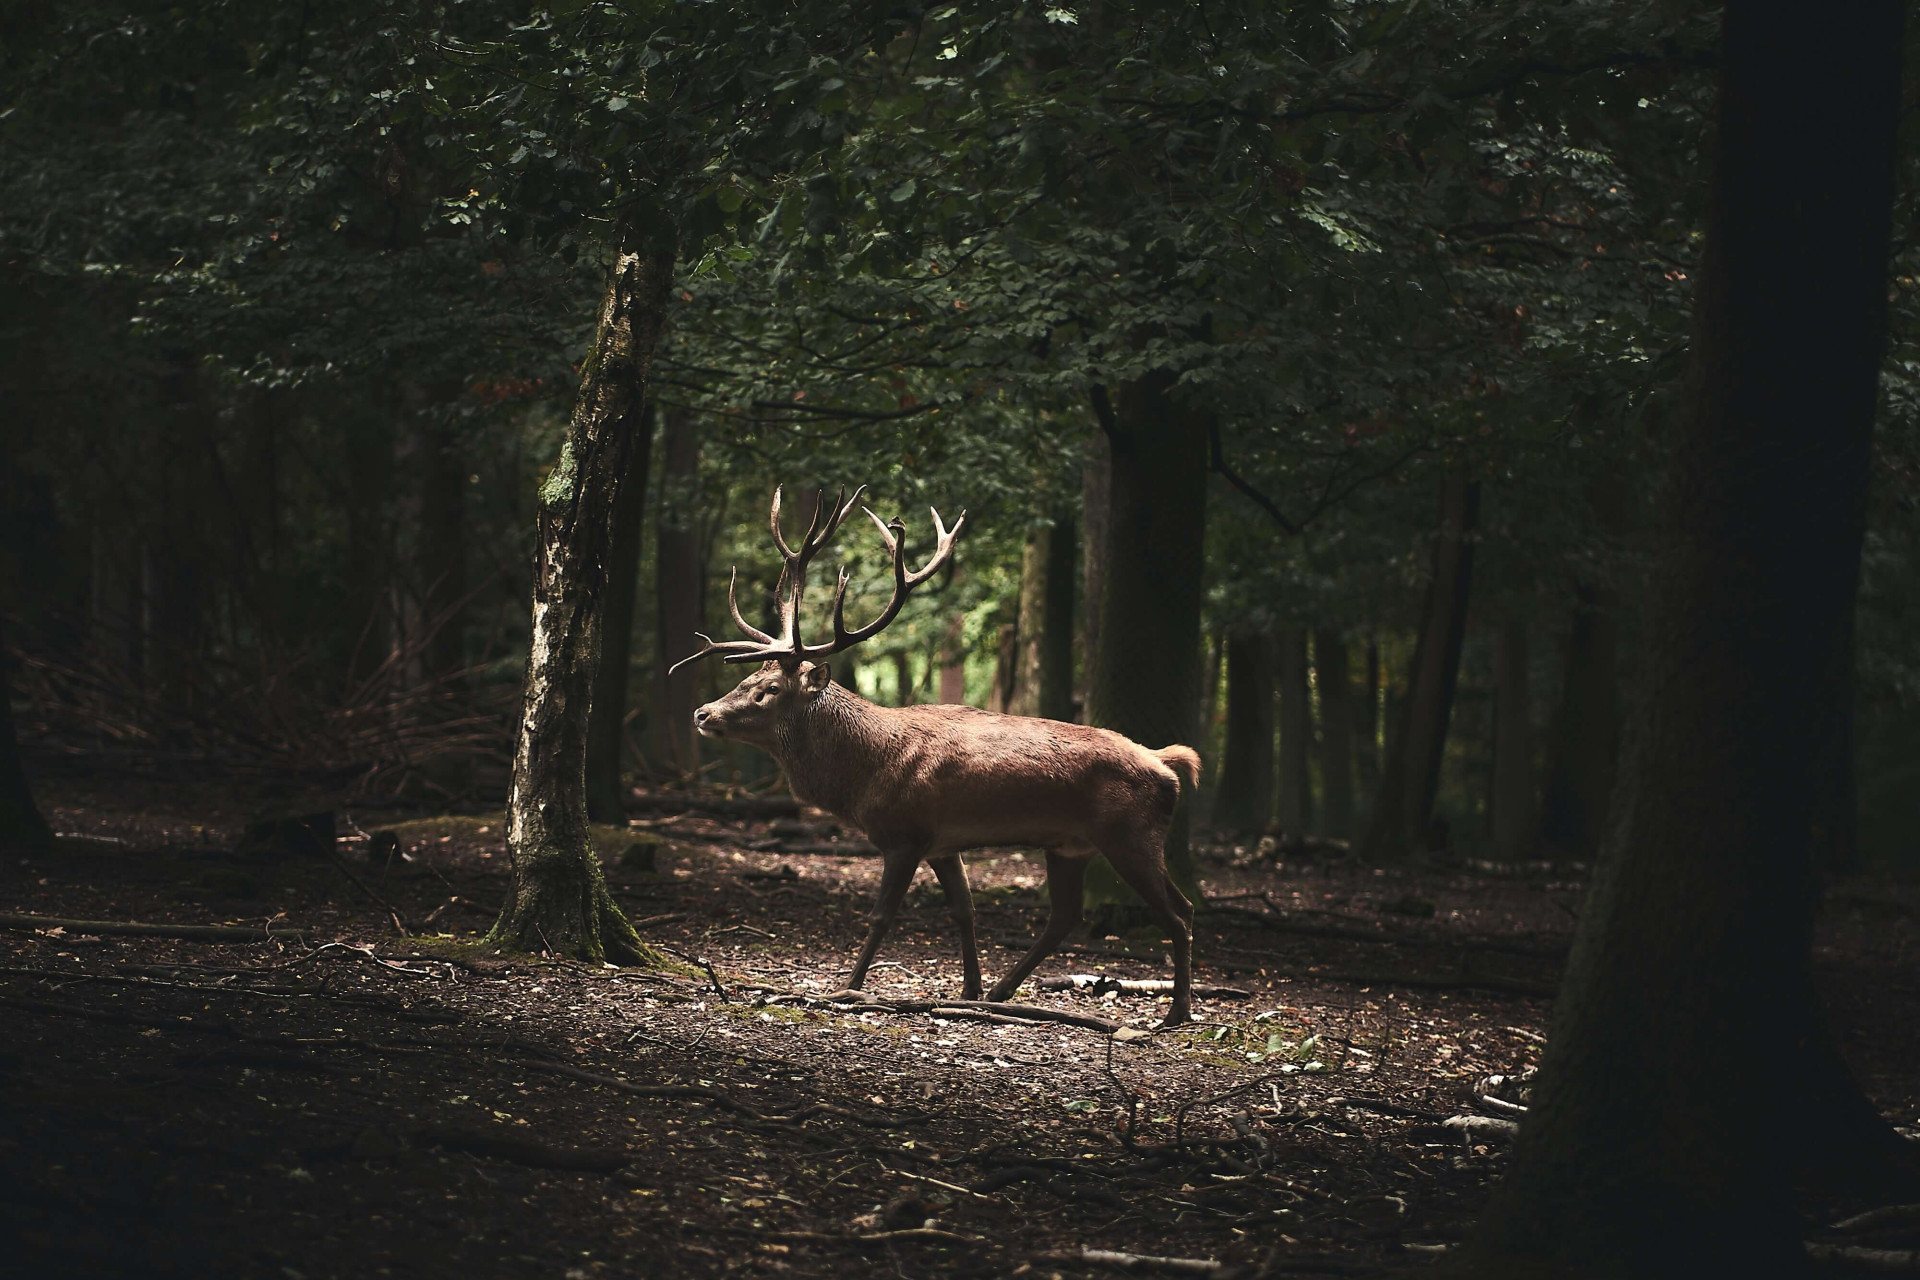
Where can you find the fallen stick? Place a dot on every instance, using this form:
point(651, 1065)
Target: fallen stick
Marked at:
point(1099, 984)
point(399, 925)
point(1899, 1261)
point(1116, 1261)
point(136, 929)
point(1893, 1215)
point(1483, 1126)
point(1021, 1012)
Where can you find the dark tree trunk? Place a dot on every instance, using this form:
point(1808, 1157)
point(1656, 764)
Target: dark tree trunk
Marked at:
point(1336, 731)
point(1515, 824)
point(1368, 713)
point(21, 826)
point(1034, 562)
point(1147, 668)
point(1056, 627)
point(559, 900)
point(1586, 729)
point(369, 448)
point(1244, 800)
point(680, 582)
point(1836, 821)
point(903, 680)
point(606, 727)
point(440, 564)
point(1096, 493)
point(1403, 812)
point(953, 664)
point(1006, 670)
point(1671, 1104)
point(1294, 795)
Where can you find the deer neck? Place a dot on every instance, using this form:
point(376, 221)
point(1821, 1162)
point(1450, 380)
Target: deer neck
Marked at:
point(830, 750)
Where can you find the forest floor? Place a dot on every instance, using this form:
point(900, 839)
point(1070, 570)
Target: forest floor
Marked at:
point(209, 1107)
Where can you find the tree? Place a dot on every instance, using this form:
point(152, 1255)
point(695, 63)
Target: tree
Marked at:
point(1695, 938)
point(1336, 730)
point(1515, 825)
point(1404, 807)
point(559, 900)
point(21, 825)
point(1244, 799)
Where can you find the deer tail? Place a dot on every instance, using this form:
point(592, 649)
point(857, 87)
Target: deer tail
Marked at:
point(1184, 761)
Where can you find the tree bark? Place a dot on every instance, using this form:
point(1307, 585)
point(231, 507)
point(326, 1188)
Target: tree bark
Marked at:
point(21, 825)
point(1147, 667)
point(1670, 1106)
point(559, 901)
point(1836, 823)
point(1035, 559)
point(1055, 700)
point(1515, 820)
point(1403, 812)
point(1096, 488)
point(1244, 800)
point(1368, 713)
point(953, 664)
point(679, 577)
point(1336, 731)
point(1586, 730)
point(1006, 670)
point(440, 559)
point(1294, 796)
point(606, 727)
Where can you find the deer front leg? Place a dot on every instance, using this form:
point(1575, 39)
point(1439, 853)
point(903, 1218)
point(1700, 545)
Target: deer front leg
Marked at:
point(1064, 878)
point(953, 879)
point(896, 873)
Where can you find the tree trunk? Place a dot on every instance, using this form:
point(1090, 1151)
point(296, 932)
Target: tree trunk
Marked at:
point(1515, 822)
point(680, 582)
point(1055, 700)
point(440, 560)
point(1147, 666)
point(1036, 557)
point(21, 826)
point(953, 664)
point(1294, 797)
point(1336, 731)
point(559, 901)
point(1369, 713)
point(1096, 492)
point(1836, 822)
point(1244, 800)
point(1403, 813)
point(606, 727)
point(1586, 730)
point(1671, 1103)
point(1006, 669)
point(902, 680)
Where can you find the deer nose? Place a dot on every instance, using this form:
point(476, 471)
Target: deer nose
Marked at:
point(702, 716)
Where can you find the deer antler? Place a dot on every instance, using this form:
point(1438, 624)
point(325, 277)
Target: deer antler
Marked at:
point(787, 647)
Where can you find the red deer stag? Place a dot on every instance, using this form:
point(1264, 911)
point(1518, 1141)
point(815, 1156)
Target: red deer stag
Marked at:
point(927, 782)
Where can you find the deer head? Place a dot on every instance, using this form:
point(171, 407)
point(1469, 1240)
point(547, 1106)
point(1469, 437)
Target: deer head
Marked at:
point(794, 674)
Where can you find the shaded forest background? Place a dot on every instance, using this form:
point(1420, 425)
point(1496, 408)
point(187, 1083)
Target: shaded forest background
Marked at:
point(295, 298)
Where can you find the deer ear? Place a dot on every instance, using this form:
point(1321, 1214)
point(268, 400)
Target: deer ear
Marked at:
point(814, 677)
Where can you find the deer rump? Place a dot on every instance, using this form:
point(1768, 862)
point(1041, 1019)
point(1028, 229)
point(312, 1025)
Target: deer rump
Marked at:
point(929, 782)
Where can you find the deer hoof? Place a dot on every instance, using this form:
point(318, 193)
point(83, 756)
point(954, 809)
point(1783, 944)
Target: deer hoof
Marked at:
point(971, 991)
point(1176, 1018)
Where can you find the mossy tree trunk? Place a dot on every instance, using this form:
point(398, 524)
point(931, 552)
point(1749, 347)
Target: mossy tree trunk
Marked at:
point(1244, 801)
point(1403, 810)
point(606, 726)
point(1146, 671)
point(1673, 1101)
point(559, 901)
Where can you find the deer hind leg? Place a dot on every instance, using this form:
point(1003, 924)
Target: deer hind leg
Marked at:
point(1064, 878)
point(1140, 859)
point(896, 873)
point(953, 879)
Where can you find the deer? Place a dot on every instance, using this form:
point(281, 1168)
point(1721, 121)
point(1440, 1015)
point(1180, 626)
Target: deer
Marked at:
point(927, 783)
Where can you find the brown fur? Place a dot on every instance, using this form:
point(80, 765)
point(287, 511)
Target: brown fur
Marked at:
point(928, 782)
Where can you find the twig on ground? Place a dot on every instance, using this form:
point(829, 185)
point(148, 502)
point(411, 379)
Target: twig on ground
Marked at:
point(712, 977)
point(1116, 1261)
point(1893, 1215)
point(136, 929)
point(1900, 1261)
point(340, 865)
point(1387, 1108)
point(963, 1008)
point(725, 1101)
point(1468, 1127)
point(1099, 984)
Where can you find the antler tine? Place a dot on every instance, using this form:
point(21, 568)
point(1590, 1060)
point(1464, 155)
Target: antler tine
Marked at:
point(894, 535)
point(733, 607)
point(735, 651)
point(942, 550)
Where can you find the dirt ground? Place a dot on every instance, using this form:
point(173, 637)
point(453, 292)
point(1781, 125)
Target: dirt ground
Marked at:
point(285, 1109)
